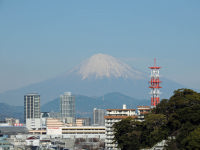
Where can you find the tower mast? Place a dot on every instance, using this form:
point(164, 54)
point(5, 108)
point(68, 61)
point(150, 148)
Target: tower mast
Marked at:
point(155, 85)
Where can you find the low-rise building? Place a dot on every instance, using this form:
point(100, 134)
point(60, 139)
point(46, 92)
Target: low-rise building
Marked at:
point(33, 123)
point(33, 141)
point(84, 131)
point(12, 121)
point(4, 144)
point(44, 116)
point(57, 128)
point(83, 122)
point(54, 126)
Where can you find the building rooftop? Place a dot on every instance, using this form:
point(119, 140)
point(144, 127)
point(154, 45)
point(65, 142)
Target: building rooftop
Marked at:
point(12, 130)
point(143, 106)
point(31, 94)
point(120, 109)
point(118, 117)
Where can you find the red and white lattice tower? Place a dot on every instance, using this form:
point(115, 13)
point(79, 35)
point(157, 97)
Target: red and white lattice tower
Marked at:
point(155, 85)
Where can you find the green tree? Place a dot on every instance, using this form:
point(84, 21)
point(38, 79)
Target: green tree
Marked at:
point(154, 121)
point(192, 141)
point(177, 117)
point(125, 134)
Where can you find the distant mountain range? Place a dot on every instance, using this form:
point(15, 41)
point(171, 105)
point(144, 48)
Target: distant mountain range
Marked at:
point(96, 76)
point(8, 111)
point(84, 105)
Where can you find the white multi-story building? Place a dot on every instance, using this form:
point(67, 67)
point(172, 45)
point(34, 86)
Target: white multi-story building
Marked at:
point(33, 123)
point(113, 116)
point(57, 128)
point(32, 111)
point(84, 131)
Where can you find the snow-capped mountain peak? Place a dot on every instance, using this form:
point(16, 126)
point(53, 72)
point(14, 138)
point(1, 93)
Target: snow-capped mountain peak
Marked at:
point(105, 66)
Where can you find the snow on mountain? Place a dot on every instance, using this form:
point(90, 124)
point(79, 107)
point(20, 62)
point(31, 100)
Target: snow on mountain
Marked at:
point(96, 76)
point(105, 66)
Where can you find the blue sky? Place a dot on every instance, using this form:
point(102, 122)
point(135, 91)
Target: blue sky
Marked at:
point(42, 39)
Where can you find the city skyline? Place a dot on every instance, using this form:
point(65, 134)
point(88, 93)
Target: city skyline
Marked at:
point(42, 39)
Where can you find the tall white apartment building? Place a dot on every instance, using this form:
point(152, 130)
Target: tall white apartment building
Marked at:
point(67, 108)
point(113, 116)
point(32, 111)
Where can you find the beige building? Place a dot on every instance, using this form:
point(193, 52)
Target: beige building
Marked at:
point(57, 128)
point(54, 126)
point(79, 122)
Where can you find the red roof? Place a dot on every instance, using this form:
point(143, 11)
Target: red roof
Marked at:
point(32, 138)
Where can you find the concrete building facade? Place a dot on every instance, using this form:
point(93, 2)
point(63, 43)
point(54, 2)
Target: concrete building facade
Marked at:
point(32, 111)
point(98, 117)
point(55, 128)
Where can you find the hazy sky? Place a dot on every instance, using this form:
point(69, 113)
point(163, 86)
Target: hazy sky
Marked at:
point(41, 39)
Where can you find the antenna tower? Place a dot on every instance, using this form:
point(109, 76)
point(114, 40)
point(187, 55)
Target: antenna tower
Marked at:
point(155, 85)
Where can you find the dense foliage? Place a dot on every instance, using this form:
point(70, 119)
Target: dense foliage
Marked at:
point(177, 119)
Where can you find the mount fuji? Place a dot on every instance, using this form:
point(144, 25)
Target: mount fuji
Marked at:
point(102, 66)
point(96, 76)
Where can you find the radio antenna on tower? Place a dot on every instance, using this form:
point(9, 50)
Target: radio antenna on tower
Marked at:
point(155, 84)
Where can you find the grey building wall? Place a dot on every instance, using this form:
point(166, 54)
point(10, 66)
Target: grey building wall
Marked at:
point(67, 108)
point(98, 117)
point(31, 106)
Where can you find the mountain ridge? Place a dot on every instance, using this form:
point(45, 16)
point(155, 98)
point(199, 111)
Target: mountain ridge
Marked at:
point(84, 105)
point(72, 81)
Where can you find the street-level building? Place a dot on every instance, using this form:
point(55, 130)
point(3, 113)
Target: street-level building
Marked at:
point(44, 116)
point(54, 126)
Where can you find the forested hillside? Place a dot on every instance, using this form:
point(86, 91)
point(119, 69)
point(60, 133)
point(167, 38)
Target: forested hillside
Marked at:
point(177, 119)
